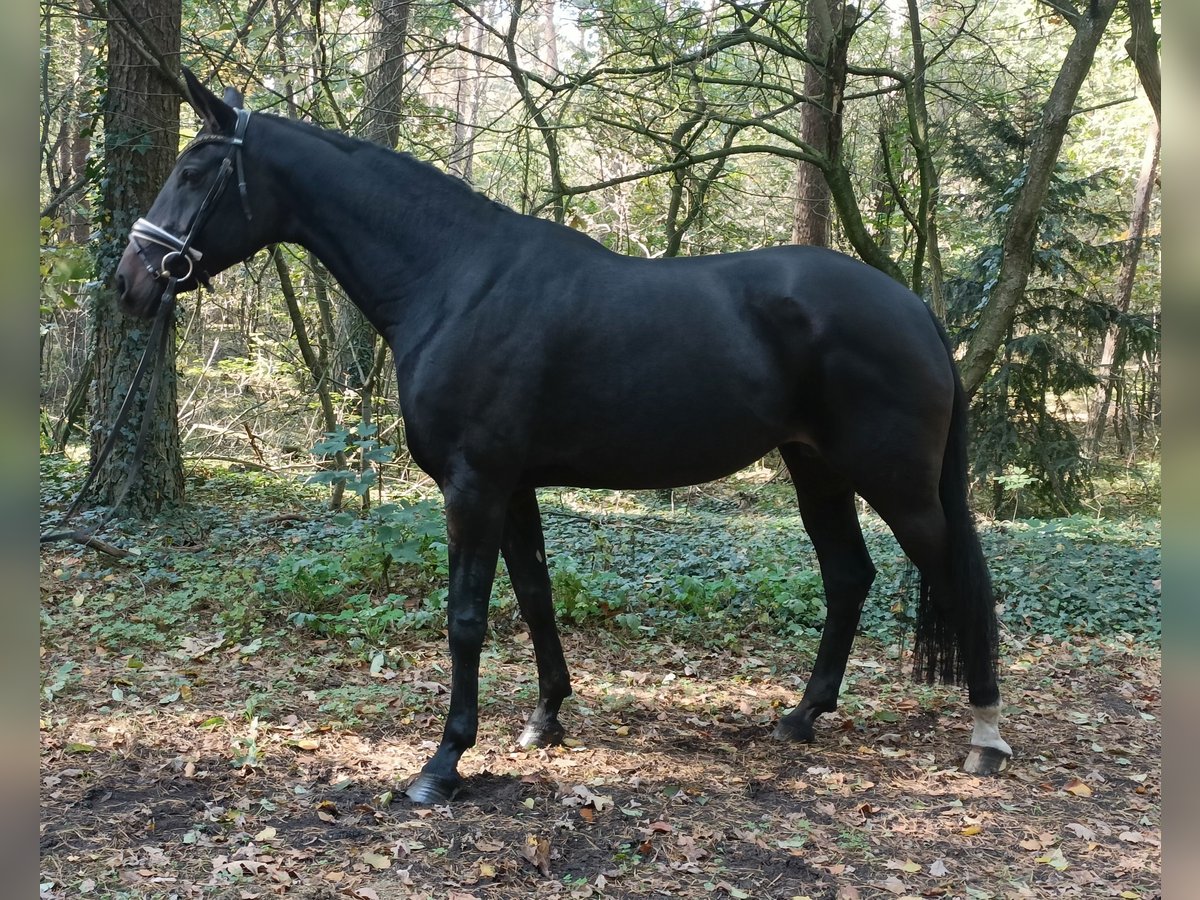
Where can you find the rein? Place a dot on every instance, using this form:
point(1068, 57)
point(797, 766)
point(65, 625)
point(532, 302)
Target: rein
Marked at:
point(180, 250)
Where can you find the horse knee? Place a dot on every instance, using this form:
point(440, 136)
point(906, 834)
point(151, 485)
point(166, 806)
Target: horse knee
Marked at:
point(466, 630)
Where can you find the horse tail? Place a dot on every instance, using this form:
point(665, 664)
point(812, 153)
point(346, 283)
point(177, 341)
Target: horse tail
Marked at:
point(953, 631)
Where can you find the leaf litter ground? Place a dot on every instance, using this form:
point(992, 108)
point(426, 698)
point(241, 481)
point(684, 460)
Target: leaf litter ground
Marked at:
point(206, 767)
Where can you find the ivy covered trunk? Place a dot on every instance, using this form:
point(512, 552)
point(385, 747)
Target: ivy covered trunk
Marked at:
point(141, 141)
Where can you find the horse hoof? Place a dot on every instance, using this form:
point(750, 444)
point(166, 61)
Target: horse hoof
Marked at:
point(432, 790)
point(798, 731)
point(549, 734)
point(986, 761)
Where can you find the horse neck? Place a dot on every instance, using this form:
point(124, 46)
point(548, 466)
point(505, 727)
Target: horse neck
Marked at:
point(382, 223)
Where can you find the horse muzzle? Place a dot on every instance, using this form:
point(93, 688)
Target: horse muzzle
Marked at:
point(138, 289)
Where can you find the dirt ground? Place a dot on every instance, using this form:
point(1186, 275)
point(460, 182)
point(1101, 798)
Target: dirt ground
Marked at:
point(161, 779)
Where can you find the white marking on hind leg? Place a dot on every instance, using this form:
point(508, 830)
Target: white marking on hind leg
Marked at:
point(987, 729)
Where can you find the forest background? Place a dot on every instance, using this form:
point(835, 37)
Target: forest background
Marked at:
point(999, 157)
point(921, 139)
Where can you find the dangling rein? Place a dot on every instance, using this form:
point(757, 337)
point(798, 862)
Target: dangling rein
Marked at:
point(181, 249)
point(157, 345)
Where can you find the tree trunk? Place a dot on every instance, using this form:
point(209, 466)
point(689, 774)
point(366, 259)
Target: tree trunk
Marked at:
point(141, 141)
point(1017, 254)
point(536, 112)
point(381, 120)
point(549, 39)
point(926, 250)
point(384, 83)
point(78, 215)
point(380, 123)
point(830, 26)
point(469, 87)
point(1142, 47)
point(1112, 356)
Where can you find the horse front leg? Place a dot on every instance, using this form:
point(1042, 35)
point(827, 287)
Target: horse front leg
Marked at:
point(474, 523)
point(524, 552)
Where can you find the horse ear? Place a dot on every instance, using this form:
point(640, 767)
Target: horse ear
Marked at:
point(233, 97)
point(218, 116)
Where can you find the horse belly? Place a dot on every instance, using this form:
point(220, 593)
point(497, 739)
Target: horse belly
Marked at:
point(676, 441)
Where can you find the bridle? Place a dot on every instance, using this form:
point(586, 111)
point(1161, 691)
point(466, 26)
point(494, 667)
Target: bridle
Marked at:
point(180, 251)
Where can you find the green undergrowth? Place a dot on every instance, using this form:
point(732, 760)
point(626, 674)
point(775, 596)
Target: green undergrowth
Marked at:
point(259, 558)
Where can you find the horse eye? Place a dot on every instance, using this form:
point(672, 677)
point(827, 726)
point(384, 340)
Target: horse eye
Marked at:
point(189, 176)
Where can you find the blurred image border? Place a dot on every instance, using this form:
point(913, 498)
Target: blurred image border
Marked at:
point(19, 402)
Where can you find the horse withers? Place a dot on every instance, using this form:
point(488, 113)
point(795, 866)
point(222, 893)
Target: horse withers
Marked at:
point(529, 355)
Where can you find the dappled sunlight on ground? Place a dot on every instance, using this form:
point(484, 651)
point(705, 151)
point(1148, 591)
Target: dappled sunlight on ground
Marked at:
point(670, 781)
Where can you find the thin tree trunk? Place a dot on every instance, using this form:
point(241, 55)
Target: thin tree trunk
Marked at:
point(468, 98)
point(1112, 356)
point(1017, 255)
point(79, 213)
point(537, 113)
point(315, 369)
point(141, 137)
point(830, 25)
point(77, 401)
point(549, 38)
point(926, 250)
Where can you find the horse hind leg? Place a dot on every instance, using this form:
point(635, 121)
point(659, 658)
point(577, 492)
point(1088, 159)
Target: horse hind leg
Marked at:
point(524, 552)
point(956, 622)
point(827, 508)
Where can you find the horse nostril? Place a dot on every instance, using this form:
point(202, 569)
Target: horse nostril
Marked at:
point(121, 286)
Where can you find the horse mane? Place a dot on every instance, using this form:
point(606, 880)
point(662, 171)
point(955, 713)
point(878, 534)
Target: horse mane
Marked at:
point(354, 146)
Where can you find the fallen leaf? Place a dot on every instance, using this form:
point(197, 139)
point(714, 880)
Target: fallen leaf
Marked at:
point(599, 802)
point(907, 866)
point(1055, 860)
point(537, 851)
point(266, 834)
point(1082, 831)
point(376, 860)
point(1078, 788)
point(972, 830)
point(938, 868)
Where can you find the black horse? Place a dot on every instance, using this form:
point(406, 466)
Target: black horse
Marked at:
point(529, 355)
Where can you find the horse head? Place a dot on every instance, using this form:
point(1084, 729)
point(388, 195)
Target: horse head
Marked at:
point(212, 213)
